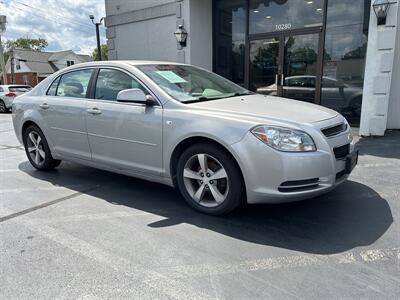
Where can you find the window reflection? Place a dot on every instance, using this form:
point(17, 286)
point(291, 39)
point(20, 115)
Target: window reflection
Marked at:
point(344, 57)
point(280, 15)
point(230, 39)
point(264, 66)
point(300, 67)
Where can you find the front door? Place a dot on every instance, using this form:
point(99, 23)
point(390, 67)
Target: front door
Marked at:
point(127, 136)
point(286, 65)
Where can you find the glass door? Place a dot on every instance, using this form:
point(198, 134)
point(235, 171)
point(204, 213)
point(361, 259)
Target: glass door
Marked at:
point(286, 65)
point(300, 58)
point(264, 66)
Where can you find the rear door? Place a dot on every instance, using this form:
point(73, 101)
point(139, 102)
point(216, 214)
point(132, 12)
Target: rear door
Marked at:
point(123, 135)
point(63, 109)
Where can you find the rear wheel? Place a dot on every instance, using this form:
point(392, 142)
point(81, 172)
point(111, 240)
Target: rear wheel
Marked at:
point(3, 108)
point(37, 149)
point(209, 179)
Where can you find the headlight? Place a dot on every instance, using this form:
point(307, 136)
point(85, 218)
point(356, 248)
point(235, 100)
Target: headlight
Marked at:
point(350, 137)
point(284, 139)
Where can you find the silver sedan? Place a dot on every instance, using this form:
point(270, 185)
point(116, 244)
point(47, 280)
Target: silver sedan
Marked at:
point(183, 126)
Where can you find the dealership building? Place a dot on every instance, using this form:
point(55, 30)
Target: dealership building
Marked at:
point(341, 54)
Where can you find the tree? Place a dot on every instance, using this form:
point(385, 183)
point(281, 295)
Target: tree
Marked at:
point(104, 52)
point(35, 44)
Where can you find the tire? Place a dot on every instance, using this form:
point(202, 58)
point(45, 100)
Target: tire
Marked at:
point(209, 179)
point(3, 108)
point(37, 149)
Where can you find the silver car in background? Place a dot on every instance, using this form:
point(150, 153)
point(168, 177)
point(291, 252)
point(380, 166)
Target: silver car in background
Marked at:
point(183, 126)
point(8, 94)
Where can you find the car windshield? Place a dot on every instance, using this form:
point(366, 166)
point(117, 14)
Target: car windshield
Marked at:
point(189, 84)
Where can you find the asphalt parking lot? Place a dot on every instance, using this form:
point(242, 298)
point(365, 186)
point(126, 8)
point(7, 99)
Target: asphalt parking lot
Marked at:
point(81, 233)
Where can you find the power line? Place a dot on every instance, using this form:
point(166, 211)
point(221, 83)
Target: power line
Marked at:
point(63, 22)
point(73, 21)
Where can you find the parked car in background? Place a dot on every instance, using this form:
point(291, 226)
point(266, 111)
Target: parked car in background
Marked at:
point(183, 126)
point(8, 94)
point(338, 95)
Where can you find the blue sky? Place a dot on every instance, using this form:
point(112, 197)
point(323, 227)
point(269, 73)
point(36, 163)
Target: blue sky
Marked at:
point(65, 24)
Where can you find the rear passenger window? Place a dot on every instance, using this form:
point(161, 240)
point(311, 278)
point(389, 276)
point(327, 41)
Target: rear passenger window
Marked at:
point(74, 84)
point(53, 88)
point(110, 82)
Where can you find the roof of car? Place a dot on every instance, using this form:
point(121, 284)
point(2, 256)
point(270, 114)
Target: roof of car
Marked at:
point(126, 62)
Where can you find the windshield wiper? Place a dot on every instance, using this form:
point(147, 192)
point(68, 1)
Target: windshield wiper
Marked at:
point(203, 98)
point(200, 99)
point(241, 94)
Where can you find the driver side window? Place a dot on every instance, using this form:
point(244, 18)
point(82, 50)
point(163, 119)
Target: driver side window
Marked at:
point(110, 82)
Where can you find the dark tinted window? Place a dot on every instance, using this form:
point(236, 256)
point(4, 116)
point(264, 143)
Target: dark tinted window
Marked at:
point(74, 84)
point(344, 59)
point(230, 39)
point(110, 82)
point(19, 89)
point(53, 88)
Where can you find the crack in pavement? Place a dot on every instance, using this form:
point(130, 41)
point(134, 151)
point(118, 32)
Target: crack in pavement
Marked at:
point(43, 205)
point(7, 147)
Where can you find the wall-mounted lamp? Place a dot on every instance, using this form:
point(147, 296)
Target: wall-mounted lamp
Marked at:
point(181, 35)
point(381, 8)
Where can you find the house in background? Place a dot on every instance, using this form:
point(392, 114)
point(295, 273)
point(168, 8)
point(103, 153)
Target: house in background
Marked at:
point(31, 67)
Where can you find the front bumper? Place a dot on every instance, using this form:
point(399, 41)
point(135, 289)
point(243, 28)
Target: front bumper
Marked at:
point(275, 177)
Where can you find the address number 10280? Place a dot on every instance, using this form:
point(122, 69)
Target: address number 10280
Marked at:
point(283, 26)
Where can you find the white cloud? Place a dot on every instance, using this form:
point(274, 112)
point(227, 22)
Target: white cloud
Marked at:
point(63, 23)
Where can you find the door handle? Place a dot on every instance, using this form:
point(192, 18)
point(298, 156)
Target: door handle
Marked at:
point(94, 111)
point(44, 106)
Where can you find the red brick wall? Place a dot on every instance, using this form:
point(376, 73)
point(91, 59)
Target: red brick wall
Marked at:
point(20, 78)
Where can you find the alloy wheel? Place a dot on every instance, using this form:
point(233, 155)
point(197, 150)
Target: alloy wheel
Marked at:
point(206, 180)
point(36, 148)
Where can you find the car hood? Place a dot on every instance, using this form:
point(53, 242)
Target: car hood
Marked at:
point(260, 106)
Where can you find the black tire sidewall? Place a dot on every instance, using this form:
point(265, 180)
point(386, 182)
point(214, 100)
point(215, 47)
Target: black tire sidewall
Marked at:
point(236, 186)
point(4, 108)
point(49, 163)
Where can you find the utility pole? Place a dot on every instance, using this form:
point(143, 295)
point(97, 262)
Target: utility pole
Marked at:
point(2, 63)
point(91, 17)
point(98, 41)
point(3, 21)
point(12, 60)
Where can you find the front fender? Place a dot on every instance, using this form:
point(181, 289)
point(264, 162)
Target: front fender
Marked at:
point(179, 127)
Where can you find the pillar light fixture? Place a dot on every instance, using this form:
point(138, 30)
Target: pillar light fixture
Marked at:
point(181, 35)
point(381, 8)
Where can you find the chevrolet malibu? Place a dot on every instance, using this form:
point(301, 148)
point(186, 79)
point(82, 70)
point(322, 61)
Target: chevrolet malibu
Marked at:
point(183, 126)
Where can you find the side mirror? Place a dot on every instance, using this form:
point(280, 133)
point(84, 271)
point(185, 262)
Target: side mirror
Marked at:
point(135, 96)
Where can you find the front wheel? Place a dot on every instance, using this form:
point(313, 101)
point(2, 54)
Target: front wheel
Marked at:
point(209, 179)
point(37, 149)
